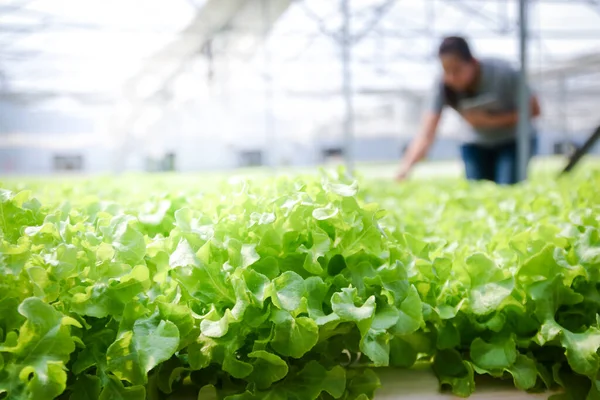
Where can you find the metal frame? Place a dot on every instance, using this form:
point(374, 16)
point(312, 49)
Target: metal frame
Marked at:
point(347, 86)
point(581, 151)
point(270, 131)
point(524, 124)
point(468, 7)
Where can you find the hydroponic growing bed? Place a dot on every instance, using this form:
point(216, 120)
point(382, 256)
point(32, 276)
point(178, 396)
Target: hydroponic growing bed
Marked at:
point(160, 288)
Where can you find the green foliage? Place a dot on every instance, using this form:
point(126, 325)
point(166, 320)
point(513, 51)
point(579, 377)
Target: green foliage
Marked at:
point(260, 289)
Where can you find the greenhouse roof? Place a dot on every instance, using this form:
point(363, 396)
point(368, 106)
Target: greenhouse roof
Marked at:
point(90, 48)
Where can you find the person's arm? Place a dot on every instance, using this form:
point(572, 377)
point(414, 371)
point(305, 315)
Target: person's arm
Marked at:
point(481, 119)
point(420, 144)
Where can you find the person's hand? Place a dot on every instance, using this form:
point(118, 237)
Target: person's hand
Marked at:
point(402, 174)
point(477, 119)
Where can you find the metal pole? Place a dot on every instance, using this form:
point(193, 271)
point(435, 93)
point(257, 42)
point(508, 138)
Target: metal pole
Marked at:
point(564, 106)
point(524, 125)
point(268, 80)
point(347, 88)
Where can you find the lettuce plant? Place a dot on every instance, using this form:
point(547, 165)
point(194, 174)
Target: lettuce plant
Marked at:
point(282, 288)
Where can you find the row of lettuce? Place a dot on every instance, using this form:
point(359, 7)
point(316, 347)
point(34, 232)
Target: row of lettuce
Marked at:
point(272, 288)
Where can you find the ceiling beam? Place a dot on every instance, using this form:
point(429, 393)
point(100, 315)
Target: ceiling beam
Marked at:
point(499, 24)
point(32, 97)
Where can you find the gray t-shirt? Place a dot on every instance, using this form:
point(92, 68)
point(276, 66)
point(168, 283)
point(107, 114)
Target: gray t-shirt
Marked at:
point(497, 92)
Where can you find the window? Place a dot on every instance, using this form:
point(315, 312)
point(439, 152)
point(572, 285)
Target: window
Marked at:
point(68, 163)
point(332, 153)
point(169, 162)
point(161, 164)
point(251, 158)
point(563, 147)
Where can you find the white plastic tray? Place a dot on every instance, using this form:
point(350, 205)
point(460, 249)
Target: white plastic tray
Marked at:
point(422, 384)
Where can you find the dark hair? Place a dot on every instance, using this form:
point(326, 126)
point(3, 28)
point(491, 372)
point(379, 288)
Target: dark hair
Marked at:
point(456, 46)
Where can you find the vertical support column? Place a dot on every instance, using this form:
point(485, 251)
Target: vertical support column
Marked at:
point(271, 139)
point(524, 125)
point(347, 87)
point(564, 106)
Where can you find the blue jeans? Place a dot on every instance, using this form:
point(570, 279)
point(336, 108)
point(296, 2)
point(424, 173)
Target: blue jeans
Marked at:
point(497, 164)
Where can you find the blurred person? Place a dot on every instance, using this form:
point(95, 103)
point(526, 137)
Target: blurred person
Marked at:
point(485, 93)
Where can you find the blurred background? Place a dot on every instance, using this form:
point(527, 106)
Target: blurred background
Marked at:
point(196, 85)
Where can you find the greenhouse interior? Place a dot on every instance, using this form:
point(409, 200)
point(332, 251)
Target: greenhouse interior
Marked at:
point(299, 199)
